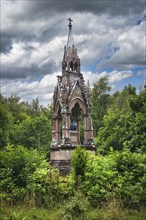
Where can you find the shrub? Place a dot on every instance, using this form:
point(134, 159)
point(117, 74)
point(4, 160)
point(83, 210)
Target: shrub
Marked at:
point(77, 206)
point(78, 163)
point(25, 175)
point(120, 175)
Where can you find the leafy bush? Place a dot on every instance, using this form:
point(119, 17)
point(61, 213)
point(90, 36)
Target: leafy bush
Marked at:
point(120, 175)
point(78, 162)
point(33, 132)
point(77, 206)
point(27, 174)
point(99, 179)
point(130, 183)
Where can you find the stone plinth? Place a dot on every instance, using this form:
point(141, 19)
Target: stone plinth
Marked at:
point(71, 111)
point(60, 157)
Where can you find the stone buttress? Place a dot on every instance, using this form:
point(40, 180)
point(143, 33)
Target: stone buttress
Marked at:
point(72, 122)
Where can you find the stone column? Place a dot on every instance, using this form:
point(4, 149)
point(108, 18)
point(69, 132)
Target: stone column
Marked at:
point(91, 127)
point(85, 127)
point(88, 129)
point(78, 129)
point(65, 126)
point(55, 130)
point(68, 125)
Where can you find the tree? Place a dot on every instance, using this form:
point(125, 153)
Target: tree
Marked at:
point(25, 173)
point(35, 106)
point(19, 110)
point(112, 132)
point(33, 133)
point(136, 123)
point(120, 100)
point(78, 163)
point(5, 122)
point(99, 101)
point(124, 124)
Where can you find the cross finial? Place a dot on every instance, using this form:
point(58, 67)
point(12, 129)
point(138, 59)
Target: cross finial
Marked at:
point(70, 24)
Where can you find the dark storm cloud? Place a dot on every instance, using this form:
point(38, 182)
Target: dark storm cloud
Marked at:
point(8, 36)
point(141, 20)
point(38, 9)
point(53, 14)
point(9, 72)
point(6, 41)
point(54, 30)
point(5, 44)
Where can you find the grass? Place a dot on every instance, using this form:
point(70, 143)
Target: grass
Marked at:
point(76, 208)
point(23, 212)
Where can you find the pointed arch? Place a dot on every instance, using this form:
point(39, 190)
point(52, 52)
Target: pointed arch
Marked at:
point(80, 102)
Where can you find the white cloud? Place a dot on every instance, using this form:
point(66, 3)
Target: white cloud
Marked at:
point(37, 34)
point(113, 76)
point(27, 90)
point(131, 52)
point(116, 76)
point(92, 77)
point(142, 72)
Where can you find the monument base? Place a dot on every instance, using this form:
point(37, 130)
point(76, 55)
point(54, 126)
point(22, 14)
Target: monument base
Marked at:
point(62, 165)
point(60, 156)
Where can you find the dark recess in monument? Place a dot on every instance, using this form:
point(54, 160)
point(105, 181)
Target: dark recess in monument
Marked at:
point(71, 109)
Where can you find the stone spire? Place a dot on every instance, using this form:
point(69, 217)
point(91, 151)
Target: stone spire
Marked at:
point(71, 61)
point(71, 121)
point(70, 40)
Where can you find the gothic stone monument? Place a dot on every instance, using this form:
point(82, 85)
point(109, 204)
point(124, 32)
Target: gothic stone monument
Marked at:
point(71, 110)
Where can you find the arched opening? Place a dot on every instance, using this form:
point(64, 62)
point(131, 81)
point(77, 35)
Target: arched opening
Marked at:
point(76, 125)
point(73, 65)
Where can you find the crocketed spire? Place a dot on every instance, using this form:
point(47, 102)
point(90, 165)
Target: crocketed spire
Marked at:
point(71, 61)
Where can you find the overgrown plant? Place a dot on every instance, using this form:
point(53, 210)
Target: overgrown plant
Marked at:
point(78, 206)
point(78, 163)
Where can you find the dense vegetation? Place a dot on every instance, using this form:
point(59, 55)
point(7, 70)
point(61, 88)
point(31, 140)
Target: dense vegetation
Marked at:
point(108, 185)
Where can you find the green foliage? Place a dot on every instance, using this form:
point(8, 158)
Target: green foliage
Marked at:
point(130, 183)
point(124, 124)
point(33, 133)
point(111, 133)
point(26, 173)
point(79, 160)
point(25, 124)
point(77, 206)
point(120, 175)
point(21, 162)
point(19, 110)
point(99, 101)
point(113, 180)
point(99, 179)
point(111, 211)
point(5, 123)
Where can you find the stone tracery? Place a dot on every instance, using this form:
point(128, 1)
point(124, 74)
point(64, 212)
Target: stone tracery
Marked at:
point(69, 100)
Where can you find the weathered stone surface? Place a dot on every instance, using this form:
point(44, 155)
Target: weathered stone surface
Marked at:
point(61, 155)
point(71, 100)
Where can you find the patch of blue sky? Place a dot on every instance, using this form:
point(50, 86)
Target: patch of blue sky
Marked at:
point(107, 69)
point(137, 69)
point(30, 79)
point(136, 80)
point(90, 67)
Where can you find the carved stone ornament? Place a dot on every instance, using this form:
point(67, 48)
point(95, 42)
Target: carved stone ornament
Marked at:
point(70, 110)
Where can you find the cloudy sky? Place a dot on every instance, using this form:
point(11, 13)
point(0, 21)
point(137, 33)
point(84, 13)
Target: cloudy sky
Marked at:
point(109, 35)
